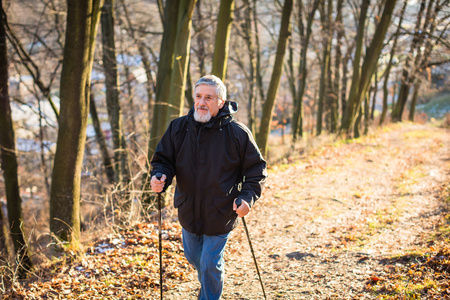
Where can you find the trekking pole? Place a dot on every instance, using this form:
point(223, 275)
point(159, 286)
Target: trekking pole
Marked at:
point(158, 176)
point(238, 203)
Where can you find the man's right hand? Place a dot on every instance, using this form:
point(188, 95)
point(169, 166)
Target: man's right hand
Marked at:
point(158, 185)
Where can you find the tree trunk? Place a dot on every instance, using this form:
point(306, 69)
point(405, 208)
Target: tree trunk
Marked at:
point(324, 88)
point(297, 121)
point(112, 92)
point(100, 138)
point(249, 39)
point(339, 27)
point(181, 54)
point(422, 62)
point(369, 65)
point(165, 66)
point(269, 104)
point(390, 63)
point(290, 74)
point(385, 98)
point(322, 91)
point(5, 251)
point(345, 64)
point(394, 92)
point(130, 126)
point(199, 27)
point(367, 112)
point(350, 111)
point(406, 73)
point(161, 10)
point(82, 20)
point(258, 74)
point(189, 90)
point(221, 45)
point(374, 98)
point(45, 169)
point(150, 83)
point(357, 124)
point(331, 97)
point(8, 159)
point(412, 109)
point(374, 50)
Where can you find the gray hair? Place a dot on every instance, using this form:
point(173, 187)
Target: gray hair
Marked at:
point(214, 81)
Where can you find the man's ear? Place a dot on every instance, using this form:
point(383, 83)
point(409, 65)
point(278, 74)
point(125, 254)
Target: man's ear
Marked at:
point(222, 103)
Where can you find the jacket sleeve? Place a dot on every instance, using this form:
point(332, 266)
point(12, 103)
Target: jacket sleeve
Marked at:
point(163, 160)
point(254, 169)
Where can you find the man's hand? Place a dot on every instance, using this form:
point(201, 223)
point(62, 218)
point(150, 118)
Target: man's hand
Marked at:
point(158, 185)
point(243, 209)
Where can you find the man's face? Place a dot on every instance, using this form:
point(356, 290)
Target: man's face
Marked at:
point(207, 103)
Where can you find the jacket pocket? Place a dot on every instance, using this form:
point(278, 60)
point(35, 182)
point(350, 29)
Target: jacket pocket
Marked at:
point(179, 198)
point(224, 205)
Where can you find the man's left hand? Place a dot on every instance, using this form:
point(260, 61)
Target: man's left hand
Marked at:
point(243, 209)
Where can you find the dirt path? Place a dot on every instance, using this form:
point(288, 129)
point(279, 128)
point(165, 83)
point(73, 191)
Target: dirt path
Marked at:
point(325, 223)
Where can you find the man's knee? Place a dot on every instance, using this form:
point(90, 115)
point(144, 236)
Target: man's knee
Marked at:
point(193, 259)
point(212, 264)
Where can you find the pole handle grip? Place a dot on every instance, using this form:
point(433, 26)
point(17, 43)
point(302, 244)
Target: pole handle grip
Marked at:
point(238, 202)
point(158, 176)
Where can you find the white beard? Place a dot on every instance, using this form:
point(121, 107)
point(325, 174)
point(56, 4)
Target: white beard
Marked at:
point(202, 118)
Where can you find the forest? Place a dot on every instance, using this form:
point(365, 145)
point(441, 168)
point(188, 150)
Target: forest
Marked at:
point(88, 87)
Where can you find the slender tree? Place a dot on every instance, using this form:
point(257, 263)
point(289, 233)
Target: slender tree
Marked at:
point(367, 110)
point(415, 96)
point(345, 70)
point(421, 63)
point(189, 90)
point(263, 135)
point(368, 68)
point(332, 95)
point(325, 88)
point(8, 158)
point(339, 27)
point(5, 252)
point(180, 63)
point(198, 24)
point(221, 45)
point(291, 75)
point(407, 68)
point(82, 21)
point(374, 97)
point(45, 169)
point(101, 141)
point(390, 64)
point(113, 90)
point(249, 40)
point(165, 66)
point(259, 77)
point(349, 114)
point(297, 120)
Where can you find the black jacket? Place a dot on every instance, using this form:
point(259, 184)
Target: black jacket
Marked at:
point(214, 163)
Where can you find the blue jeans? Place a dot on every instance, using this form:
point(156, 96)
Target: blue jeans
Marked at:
point(205, 253)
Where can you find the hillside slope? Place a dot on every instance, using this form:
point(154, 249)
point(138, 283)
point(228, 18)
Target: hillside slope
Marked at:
point(354, 220)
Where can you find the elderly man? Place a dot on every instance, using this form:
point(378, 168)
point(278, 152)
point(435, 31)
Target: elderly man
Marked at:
point(216, 161)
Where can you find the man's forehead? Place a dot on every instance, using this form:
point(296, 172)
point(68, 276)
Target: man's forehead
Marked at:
point(206, 89)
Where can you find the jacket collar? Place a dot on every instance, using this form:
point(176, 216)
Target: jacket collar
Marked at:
point(224, 116)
